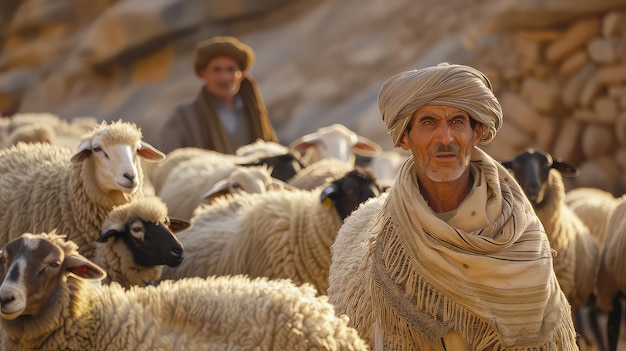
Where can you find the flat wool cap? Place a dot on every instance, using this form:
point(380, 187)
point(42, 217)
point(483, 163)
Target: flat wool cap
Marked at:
point(206, 50)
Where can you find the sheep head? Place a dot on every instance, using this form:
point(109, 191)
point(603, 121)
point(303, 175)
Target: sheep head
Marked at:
point(145, 230)
point(114, 149)
point(532, 167)
point(34, 269)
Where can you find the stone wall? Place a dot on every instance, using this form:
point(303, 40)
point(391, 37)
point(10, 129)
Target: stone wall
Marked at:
point(563, 90)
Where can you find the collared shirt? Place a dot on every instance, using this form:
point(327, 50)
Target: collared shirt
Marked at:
point(231, 118)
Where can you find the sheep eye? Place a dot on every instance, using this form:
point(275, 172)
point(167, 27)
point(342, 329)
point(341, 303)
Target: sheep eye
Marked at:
point(97, 149)
point(236, 186)
point(55, 264)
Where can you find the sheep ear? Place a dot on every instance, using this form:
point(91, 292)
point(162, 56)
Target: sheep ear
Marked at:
point(303, 143)
point(108, 235)
point(178, 225)
point(83, 269)
point(82, 152)
point(565, 168)
point(150, 153)
point(366, 147)
point(220, 188)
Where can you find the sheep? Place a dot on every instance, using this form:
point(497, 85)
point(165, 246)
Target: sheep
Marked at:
point(350, 258)
point(335, 141)
point(137, 239)
point(48, 127)
point(194, 180)
point(593, 206)
point(577, 250)
point(611, 282)
point(45, 187)
point(283, 162)
point(31, 133)
point(319, 173)
point(279, 234)
point(61, 310)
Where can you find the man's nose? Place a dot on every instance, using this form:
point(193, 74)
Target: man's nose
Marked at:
point(444, 133)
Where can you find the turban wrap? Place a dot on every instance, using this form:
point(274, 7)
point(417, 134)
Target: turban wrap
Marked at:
point(459, 86)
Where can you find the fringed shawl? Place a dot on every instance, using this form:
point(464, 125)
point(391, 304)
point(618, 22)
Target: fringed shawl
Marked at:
point(485, 274)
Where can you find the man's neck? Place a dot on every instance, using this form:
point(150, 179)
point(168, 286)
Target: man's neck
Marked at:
point(445, 197)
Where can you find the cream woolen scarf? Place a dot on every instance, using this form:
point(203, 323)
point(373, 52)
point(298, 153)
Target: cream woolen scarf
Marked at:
point(486, 273)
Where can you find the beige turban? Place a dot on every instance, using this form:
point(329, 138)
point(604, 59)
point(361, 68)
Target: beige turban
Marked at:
point(459, 86)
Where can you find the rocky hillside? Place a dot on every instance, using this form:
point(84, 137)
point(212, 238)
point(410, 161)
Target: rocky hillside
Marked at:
point(558, 66)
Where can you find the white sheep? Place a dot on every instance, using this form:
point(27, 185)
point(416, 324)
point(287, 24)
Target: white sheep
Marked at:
point(279, 234)
point(350, 255)
point(61, 310)
point(319, 173)
point(577, 251)
point(593, 206)
point(137, 239)
point(31, 133)
point(193, 181)
point(45, 187)
point(611, 282)
point(334, 141)
point(48, 127)
point(283, 162)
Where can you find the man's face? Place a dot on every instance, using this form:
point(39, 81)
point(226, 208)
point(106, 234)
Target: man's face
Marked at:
point(222, 76)
point(441, 141)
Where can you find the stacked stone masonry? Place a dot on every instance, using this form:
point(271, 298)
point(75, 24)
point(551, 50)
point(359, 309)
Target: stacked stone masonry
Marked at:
point(563, 90)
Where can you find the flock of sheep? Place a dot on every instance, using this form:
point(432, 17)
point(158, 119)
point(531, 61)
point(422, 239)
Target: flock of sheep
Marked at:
point(109, 244)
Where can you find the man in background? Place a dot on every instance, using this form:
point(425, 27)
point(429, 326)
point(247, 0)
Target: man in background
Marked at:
point(229, 111)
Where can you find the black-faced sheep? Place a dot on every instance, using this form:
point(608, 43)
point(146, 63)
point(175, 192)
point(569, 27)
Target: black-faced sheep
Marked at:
point(44, 187)
point(577, 250)
point(279, 234)
point(137, 239)
point(46, 304)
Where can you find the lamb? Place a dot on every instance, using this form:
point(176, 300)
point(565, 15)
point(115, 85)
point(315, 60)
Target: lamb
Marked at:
point(593, 206)
point(137, 239)
point(611, 282)
point(45, 187)
point(61, 310)
point(334, 141)
point(279, 234)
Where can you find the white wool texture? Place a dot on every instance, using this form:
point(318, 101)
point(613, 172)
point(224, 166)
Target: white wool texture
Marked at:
point(278, 234)
point(593, 206)
point(217, 313)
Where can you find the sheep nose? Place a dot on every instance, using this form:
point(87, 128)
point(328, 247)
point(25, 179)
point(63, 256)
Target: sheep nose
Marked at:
point(177, 253)
point(129, 176)
point(6, 299)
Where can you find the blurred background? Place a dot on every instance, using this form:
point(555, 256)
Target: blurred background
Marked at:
point(558, 66)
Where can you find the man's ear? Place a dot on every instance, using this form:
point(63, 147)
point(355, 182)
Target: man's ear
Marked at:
point(478, 133)
point(404, 141)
